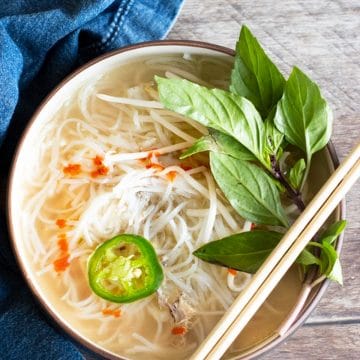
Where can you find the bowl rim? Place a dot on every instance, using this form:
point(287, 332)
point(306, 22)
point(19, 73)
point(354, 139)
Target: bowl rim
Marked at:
point(57, 319)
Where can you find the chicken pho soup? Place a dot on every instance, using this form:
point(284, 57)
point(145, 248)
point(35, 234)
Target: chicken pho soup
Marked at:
point(110, 216)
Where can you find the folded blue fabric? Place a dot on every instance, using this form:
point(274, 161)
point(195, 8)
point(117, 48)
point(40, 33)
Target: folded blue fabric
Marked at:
point(41, 41)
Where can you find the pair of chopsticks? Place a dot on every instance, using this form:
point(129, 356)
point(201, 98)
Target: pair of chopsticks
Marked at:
point(280, 260)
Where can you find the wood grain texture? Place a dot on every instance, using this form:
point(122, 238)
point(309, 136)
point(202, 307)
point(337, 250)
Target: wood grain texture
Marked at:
point(333, 341)
point(323, 38)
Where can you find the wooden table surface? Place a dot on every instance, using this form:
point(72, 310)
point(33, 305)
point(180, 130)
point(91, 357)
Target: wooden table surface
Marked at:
point(322, 37)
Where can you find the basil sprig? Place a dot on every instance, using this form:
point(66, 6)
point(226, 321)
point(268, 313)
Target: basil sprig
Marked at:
point(250, 126)
point(247, 251)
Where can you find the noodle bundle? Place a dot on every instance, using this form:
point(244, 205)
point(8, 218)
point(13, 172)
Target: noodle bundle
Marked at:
point(108, 163)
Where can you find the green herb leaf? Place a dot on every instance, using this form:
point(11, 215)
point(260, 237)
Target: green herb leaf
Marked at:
point(255, 76)
point(296, 173)
point(307, 258)
point(244, 252)
point(330, 263)
point(221, 143)
point(218, 109)
point(334, 230)
point(250, 191)
point(205, 143)
point(273, 138)
point(303, 115)
point(329, 258)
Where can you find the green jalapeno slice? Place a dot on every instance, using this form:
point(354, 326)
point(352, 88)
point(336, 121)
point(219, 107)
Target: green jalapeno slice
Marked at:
point(124, 269)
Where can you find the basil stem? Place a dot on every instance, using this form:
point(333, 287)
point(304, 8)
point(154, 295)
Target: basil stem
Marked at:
point(295, 195)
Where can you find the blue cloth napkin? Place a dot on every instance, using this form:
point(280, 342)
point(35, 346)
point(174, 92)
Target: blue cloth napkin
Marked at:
point(41, 41)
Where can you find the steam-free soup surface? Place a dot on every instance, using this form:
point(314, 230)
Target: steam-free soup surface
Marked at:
point(105, 165)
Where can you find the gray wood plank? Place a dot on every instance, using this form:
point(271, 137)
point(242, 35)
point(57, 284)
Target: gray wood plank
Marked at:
point(323, 342)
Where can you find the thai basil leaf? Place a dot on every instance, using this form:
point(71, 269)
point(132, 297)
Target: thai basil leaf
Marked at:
point(330, 263)
point(329, 258)
point(244, 252)
point(296, 173)
point(254, 75)
point(273, 138)
point(205, 143)
point(250, 191)
point(307, 258)
point(218, 109)
point(303, 115)
point(247, 251)
point(220, 143)
point(333, 231)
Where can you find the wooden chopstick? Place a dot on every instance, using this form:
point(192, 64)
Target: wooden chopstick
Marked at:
point(260, 286)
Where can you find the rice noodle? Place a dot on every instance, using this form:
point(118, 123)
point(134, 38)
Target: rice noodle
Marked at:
point(112, 158)
point(177, 73)
point(133, 102)
point(177, 215)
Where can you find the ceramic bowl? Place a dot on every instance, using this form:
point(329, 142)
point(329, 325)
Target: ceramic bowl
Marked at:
point(326, 161)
